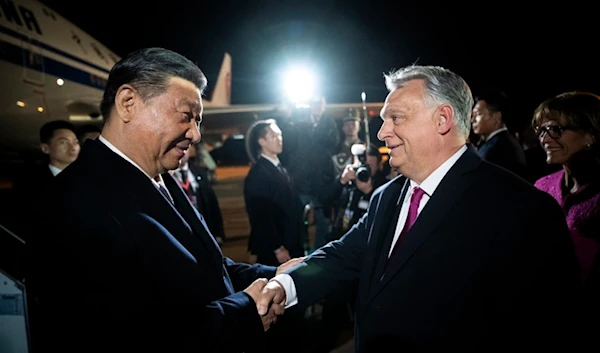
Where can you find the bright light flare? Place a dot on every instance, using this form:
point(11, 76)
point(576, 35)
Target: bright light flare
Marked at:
point(299, 85)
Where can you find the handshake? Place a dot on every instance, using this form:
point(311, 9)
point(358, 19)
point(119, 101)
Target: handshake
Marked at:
point(270, 296)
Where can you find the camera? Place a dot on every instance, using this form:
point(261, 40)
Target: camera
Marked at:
point(363, 172)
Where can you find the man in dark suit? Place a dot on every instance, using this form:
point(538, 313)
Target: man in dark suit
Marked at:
point(60, 146)
point(122, 261)
point(273, 205)
point(435, 269)
point(491, 114)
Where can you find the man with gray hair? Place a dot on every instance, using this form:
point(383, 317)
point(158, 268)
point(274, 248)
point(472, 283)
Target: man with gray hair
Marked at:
point(436, 270)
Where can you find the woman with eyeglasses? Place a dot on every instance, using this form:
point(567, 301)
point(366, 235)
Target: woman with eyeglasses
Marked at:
point(568, 127)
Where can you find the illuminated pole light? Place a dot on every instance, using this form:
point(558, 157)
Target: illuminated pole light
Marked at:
point(41, 109)
point(21, 104)
point(363, 96)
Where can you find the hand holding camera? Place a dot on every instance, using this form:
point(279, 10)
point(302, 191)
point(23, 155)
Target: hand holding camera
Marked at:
point(359, 170)
point(363, 172)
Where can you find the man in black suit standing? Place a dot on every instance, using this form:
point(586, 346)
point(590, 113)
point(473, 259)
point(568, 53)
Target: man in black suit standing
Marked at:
point(277, 230)
point(122, 261)
point(436, 270)
point(489, 119)
point(61, 146)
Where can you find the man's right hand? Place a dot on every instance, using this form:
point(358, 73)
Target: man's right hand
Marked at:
point(270, 315)
point(254, 290)
point(272, 294)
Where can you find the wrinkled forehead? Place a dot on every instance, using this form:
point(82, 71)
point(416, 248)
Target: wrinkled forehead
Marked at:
point(404, 99)
point(185, 92)
point(397, 106)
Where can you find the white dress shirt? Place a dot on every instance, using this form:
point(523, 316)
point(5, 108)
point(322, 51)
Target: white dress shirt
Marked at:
point(54, 170)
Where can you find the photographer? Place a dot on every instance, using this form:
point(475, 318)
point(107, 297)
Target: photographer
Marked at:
point(358, 181)
point(351, 191)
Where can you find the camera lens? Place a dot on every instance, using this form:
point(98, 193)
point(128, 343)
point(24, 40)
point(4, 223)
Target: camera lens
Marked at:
point(363, 174)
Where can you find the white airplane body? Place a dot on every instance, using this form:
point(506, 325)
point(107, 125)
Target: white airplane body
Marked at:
point(39, 49)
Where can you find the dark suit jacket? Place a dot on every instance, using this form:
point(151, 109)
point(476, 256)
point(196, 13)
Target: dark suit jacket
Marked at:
point(27, 193)
point(275, 212)
point(504, 150)
point(118, 268)
point(465, 278)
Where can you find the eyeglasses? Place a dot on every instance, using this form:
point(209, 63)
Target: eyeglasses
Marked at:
point(554, 131)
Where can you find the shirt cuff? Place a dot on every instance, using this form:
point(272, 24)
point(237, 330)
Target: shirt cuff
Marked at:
point(289, 287)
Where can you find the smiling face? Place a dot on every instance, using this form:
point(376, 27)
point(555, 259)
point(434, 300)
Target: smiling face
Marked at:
point(567, 141)
point(409, 130)
point(166, 125)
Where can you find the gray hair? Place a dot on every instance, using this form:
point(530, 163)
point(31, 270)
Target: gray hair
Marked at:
point(442, 86)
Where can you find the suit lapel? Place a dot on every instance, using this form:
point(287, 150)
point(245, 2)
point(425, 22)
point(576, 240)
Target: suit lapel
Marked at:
point(274, 172)
point(191, 216)
point(130, 181)
point(448, 192)
point(386, 234)
point(378, 240)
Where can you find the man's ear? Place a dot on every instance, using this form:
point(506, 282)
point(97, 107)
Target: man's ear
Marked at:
point(125, 102)
point(444, 119)
point(45, 148)
point(261, 142)
point(497, 116)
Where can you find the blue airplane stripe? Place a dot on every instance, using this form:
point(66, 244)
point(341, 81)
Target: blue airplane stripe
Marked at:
point(19, 56)
point(24, 38)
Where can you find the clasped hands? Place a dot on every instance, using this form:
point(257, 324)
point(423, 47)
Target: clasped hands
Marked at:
point(270, 296)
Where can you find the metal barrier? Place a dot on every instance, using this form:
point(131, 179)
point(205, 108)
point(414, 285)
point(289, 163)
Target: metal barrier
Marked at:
point(12, 254)
point(14, 323)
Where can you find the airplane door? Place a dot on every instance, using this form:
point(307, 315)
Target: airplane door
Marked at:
point(34, 73)
point(33, 62)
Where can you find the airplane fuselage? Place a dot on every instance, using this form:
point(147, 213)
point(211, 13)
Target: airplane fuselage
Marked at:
point(50, 70)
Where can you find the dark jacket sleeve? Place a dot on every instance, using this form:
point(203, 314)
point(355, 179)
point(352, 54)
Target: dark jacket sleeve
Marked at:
point(335, 265)
point(242, 275)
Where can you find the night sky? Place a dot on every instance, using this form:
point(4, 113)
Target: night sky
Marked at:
point(531, 53)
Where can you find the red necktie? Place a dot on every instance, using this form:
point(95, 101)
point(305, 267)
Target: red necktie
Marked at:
point(184, 181)
point(413, 211)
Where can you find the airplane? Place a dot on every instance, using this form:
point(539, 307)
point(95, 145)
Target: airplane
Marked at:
point(54, 70)
point(51, 69)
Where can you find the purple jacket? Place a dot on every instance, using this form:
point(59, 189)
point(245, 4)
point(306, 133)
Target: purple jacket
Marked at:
point(582, 210)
